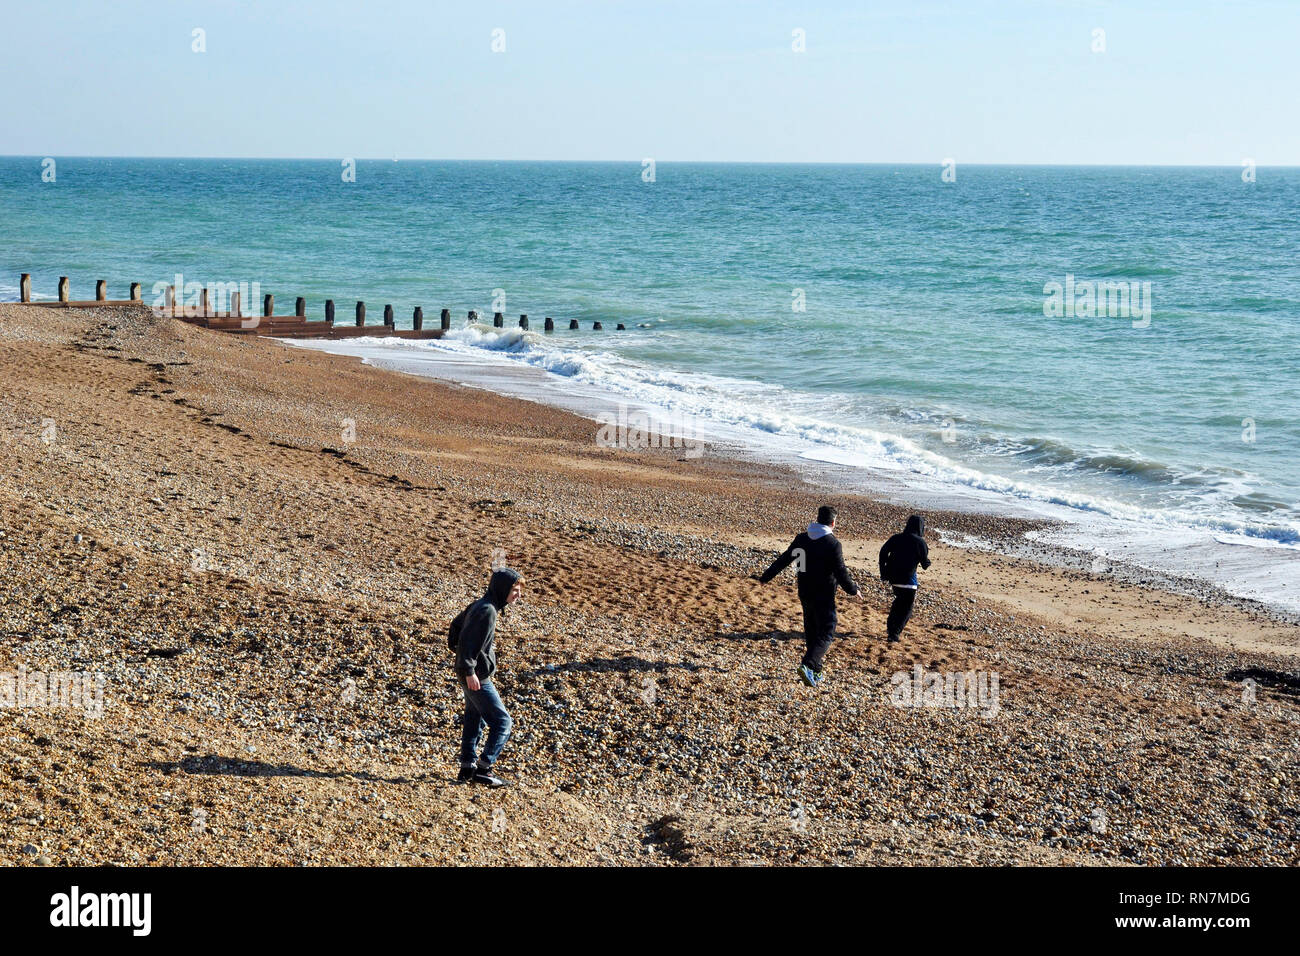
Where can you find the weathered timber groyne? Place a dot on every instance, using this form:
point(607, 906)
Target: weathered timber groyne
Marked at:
point(224, 312)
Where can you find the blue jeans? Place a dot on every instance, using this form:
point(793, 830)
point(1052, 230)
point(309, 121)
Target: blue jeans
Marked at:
point(483, 707)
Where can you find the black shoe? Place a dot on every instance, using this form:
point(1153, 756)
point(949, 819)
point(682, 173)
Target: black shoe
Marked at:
point(485, 776)
point(894, 638)
point(466, 775)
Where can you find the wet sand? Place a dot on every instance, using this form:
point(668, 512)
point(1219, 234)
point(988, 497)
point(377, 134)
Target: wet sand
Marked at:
point(260, 548)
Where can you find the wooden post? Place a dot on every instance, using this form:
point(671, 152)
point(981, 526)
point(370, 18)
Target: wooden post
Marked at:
point(63, 288)
point(235, 311)
point(498, 320)
point(101, 290)
point(549, 324)
point(473, 316)
point(25, 287)
point(444, 320)
point(417, 320)
point(523, 321)
point(361, 312)
point(596, 326)
point(203, 301)
point(171, 300)
point(268, 305)
point(573, 323)
point(388, 316)
point(135, 292)
point(329, 311)
point(300, 307)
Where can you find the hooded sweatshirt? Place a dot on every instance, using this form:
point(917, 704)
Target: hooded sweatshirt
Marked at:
point(819, 564)
point(477, 651)
point(903, 552)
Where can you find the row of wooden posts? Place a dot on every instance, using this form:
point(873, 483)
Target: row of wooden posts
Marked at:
point(268, 323)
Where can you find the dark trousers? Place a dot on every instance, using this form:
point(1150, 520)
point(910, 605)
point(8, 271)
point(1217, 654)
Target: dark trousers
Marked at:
point(818, 629)
point(900, 611)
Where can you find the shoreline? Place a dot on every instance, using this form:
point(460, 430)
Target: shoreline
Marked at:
point(1007, 531)
point(529, 383)
point(267, 599)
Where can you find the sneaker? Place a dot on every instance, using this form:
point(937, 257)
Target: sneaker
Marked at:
point(808, 675)
point(466, 775)
point(485, 776)
point(894, 638)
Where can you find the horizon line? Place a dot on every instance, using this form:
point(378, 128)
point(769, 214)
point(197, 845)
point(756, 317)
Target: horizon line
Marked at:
point(714, 162)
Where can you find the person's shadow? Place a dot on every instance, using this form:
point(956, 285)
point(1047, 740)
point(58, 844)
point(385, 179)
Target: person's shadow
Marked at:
point(627, 664)
point(1279, 681)
point(759, 635)
point(214, 765)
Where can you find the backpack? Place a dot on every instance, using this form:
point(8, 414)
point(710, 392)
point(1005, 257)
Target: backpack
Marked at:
point(453, 632)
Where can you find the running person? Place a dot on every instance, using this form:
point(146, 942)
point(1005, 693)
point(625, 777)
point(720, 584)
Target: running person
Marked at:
point(898, 560)
point(819, 565)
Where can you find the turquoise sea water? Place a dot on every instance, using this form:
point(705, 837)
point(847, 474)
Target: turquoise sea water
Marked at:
point(923, 348)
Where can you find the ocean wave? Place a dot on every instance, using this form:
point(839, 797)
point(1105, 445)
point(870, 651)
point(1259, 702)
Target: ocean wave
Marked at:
point(1118, 464)
point(773, 415)
point(11, 293)
point(1128, 270)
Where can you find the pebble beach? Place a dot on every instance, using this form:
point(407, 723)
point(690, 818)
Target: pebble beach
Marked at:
point(259, 549)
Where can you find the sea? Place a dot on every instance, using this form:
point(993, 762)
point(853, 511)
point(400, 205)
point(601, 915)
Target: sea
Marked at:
point(1113, 349)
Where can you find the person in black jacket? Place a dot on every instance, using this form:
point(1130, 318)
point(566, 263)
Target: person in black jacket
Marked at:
point(476, 662)
point(898, 560)
point(819, 566)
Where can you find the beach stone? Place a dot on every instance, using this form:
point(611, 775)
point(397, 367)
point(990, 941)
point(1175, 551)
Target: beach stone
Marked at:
point(335, 570)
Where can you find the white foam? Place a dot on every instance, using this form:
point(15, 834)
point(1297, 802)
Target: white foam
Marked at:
point(779, 424)
point(11, 293)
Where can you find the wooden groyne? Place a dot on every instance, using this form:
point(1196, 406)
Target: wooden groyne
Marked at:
point(233, 319)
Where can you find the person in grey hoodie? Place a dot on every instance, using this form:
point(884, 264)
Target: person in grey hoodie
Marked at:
point(818, 561)
point(473, 635)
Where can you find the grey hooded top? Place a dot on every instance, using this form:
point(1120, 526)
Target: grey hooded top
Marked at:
point(477, 652)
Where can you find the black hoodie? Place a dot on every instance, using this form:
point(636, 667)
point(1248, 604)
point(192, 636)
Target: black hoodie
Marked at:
point(477, 651)
point(903, 552)
point(819, 566)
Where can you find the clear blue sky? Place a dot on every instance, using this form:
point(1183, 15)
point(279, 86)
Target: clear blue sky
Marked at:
point(1188, 82)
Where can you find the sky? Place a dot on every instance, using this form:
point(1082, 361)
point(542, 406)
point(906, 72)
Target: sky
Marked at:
point(1192, 82)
